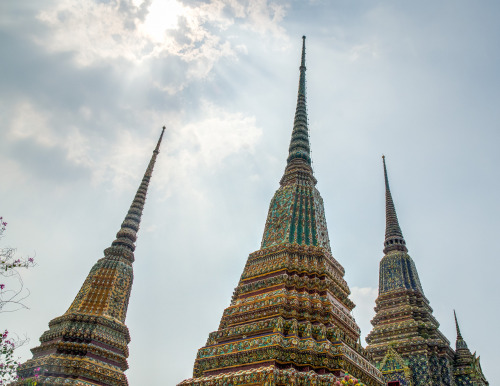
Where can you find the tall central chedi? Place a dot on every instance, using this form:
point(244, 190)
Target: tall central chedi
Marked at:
point(88, 345)
point(289, 322)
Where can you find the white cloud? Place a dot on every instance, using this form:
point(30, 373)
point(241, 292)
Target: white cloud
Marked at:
point(120, 163)
point(28, 122)
point(201, 146)
point(190, 149)
point(242, 48)
point(135, 32)
point(112, 158)
point(366, 50)
point(133, 37)
point(162, 15)
point(266, 17)
point(96, 31)
point(193, 148)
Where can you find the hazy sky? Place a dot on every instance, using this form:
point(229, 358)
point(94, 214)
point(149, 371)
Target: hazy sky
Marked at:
point(85, 86)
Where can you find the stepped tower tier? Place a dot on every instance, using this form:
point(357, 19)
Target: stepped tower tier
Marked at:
point(404, 324)
point(88, 345)
point(467, 367)
point(289, 322)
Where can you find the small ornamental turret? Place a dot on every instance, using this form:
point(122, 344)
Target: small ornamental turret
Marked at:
point(88, 345)
point(467, 367)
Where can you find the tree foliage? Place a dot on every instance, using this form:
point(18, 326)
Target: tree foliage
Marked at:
point(12, 295)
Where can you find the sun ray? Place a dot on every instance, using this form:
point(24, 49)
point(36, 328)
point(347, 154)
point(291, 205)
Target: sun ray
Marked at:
point(163, 15)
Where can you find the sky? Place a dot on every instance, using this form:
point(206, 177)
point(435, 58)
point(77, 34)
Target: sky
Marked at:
point(86, 85)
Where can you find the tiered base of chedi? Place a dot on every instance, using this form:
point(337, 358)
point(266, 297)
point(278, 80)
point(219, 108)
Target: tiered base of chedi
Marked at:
point(271, 375)
point(289, 322)
point(285, 325)
point(406, 341)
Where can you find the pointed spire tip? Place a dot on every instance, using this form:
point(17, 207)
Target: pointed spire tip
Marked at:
point(394, 240)
point(127, 235)
point(456, 324)
point(460, 344)
point(299, 152)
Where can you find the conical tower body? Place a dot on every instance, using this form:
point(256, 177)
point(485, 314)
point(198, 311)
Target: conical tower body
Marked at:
point(88, 345)
point(404, 323)
point(289, 322)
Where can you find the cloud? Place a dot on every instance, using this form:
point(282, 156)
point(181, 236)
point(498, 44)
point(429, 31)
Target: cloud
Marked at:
point(137, 31)
point(35, 133)
point(194, 147)
point(366, 50)
point(89, 46)
point(95, 32)
point(201, 147)
point(164, 42)
point(30, 137)
point(265, 17)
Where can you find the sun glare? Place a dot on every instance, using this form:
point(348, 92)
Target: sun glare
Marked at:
point(162, 15)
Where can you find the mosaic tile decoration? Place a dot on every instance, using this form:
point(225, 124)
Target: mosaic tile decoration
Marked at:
point(289, 321)
point(405, 341)
point(88, 345)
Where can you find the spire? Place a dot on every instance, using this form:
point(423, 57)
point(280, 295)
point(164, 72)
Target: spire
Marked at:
point(299, 153)
point(467, 364)
point(394, 240)
point(460, 341)
point(459, 335)
point(296, 213)
point(127, 235)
